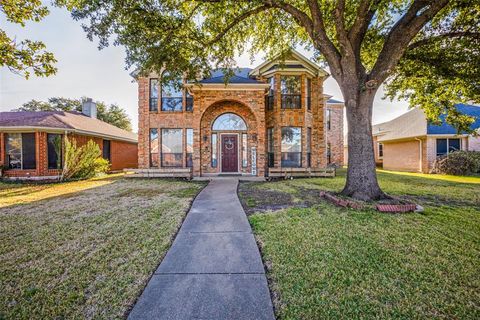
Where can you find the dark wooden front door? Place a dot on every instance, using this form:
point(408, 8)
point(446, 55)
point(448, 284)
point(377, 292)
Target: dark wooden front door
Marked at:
point(229, 153)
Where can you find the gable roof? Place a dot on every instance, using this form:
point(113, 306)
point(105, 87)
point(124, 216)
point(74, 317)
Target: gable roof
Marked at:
point(445, 128)
point(408, 125)
point(70, 121)
point(294, 60)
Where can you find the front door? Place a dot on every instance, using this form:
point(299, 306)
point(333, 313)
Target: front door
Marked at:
point(229, 153)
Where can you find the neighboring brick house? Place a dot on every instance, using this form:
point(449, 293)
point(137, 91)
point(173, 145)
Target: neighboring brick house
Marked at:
point(31, 143)
point(410, 143)
point(270, 116)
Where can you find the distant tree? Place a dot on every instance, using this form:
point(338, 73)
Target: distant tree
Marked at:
point(112, 114)
point(26, 56)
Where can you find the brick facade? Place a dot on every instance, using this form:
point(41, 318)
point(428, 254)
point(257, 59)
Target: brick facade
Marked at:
point(248, 102)
point(335, 133)
point(123, 155)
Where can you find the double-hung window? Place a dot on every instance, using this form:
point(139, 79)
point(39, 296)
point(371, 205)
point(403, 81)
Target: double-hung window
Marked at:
point(20, 150)
point(291, 147)
point(446, 146)
point(172, 147)
point(291, 92)
point(172, 94)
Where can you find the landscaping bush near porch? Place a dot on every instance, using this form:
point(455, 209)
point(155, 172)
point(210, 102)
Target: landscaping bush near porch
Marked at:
point(326, 262)
point(84, 249)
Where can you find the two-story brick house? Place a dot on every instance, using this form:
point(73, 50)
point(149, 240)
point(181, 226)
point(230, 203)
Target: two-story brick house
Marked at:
point(275, 115)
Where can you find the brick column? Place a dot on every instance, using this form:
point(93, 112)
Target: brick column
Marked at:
point(143, 124)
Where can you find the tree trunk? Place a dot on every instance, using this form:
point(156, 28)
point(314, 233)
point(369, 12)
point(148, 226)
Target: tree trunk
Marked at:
point(361, 175)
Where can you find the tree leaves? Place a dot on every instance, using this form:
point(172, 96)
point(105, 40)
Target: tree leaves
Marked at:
point(26, 56)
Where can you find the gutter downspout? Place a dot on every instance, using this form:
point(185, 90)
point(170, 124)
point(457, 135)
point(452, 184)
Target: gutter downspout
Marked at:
point(421, 154)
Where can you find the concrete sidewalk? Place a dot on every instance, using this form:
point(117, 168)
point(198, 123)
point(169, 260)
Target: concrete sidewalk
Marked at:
point(213, 269)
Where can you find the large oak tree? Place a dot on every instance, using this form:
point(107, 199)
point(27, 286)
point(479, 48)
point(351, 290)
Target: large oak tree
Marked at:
point(425, 51)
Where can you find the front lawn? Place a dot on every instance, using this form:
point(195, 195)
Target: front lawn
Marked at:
point(326, 262)
point(84, 249)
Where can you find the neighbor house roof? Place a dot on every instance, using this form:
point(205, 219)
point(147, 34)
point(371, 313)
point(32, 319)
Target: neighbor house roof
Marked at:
point(408, 125)
point(414, 124)
point(445, 128)
point(333, 101)
point(70, 121)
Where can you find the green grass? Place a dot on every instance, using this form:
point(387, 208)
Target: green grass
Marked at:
point(326, 262)
point(84, 249)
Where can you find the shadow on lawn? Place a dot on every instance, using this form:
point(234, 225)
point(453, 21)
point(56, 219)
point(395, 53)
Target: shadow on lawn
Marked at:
point(300, 193)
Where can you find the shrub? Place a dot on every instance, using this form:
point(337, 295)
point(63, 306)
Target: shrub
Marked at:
point(458, 163)
point(83, 162)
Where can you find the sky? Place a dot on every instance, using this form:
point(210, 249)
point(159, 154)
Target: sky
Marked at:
point(83, 70)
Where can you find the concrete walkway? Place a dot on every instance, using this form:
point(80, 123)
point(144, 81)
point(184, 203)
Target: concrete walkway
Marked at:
point(213, 269)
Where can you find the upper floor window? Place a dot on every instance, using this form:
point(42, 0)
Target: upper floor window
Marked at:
point(269, 98)
point(309, 94)
point(446, 146)
point(329, 118)
point(291, 92)
point(291, 147)
point(153, 102)
point(172, 94)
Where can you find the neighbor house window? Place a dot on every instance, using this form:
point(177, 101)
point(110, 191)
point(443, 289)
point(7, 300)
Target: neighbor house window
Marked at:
point(154, 156)
point(20, 150)
point(380, 150)
point(214, 150)
point(309, 147)
point(270, 148)
point(291, 92)
point(329, 118)
point(270, 97)
point(106, 150)
point(153, 94)
point(189, 154)
point(291, 147)
point(54, 151)
point(309, 94)
point(172, 94)
point(244, 150)
point(172, 147)
point(446, 146)
point(329, 153)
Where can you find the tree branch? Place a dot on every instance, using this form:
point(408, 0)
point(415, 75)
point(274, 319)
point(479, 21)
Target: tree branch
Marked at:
point(402, 33)
point(365, 12)
point(448, 35)
point(237, 20)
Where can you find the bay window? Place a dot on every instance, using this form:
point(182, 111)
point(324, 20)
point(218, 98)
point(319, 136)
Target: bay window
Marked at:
point(153, 101)
point(172, 148)
point(291, 92)
point(291, 147)
point(154, 148)
point(189, 153)
point(270, 148)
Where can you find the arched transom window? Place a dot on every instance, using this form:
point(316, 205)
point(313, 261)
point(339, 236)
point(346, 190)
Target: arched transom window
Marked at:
point(229, 121)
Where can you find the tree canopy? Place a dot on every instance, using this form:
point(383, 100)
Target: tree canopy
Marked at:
point(426, 51)
point(112, 113)
point(25, 56)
